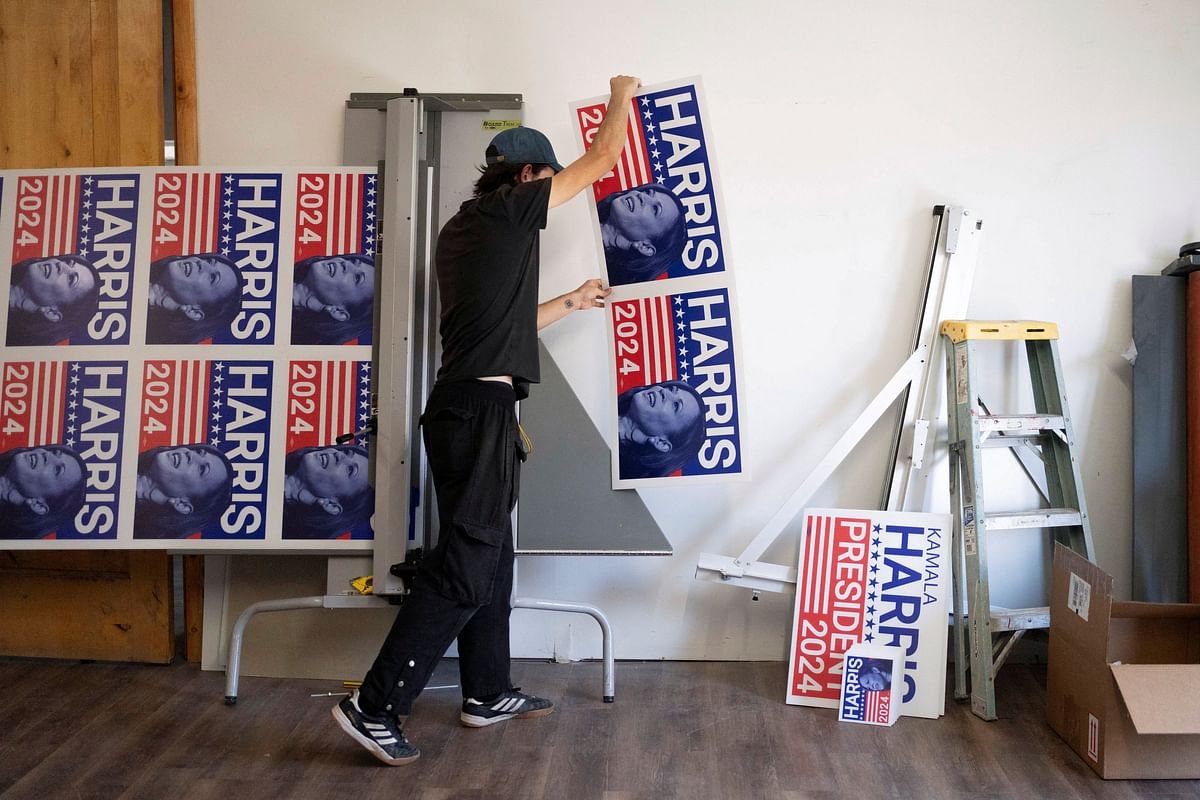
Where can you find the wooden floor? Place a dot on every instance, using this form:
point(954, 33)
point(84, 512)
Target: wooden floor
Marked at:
point(677, 730)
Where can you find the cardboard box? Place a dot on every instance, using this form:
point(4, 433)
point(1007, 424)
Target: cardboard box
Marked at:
point(872, 685)
point(1124, 678)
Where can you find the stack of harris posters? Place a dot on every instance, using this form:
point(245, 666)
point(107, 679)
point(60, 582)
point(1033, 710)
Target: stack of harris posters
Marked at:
point(676, 415)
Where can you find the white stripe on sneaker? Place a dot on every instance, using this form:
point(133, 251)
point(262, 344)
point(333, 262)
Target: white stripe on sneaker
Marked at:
point(508, 706)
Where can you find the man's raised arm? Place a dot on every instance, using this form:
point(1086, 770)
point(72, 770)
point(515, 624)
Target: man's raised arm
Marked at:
point(606, 147)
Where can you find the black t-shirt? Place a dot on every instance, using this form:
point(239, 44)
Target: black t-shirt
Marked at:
point(487, 272)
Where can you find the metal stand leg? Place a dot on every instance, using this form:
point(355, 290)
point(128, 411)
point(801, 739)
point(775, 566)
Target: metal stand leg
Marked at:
point(289, 604)
point(605, 630)
point(346, 601)
point(239, 628)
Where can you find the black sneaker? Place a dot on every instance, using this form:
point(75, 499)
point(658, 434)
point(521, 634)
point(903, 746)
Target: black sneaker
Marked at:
point(380, 735)
point(507, 705)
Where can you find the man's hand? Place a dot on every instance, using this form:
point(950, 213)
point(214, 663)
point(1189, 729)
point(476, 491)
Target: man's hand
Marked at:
point(590, 294)
point(623, 86)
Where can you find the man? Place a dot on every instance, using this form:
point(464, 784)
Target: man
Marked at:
point(487, 270)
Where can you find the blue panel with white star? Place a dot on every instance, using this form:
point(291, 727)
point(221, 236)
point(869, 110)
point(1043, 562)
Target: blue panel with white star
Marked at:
point(677, 152)
point(250, 210)
point(239, 410)
point(704, 355)
point(92, 425)
point(368, 204)
point(107, 226)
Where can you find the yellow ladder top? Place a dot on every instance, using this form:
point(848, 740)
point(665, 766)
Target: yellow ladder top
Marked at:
point(962, 329)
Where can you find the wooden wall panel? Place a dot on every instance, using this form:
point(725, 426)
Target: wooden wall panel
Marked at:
point(193, 608)
point(81, 84)
point(105, 605)
point(105, 92)
point(45, 84)
point(187, 140)
point(139, 37)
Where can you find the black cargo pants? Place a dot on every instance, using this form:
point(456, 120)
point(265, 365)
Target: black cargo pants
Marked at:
point(463, 585)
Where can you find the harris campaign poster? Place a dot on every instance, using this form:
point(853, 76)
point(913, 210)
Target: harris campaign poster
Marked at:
point(872, 683)
point(203, 450)
point(60, 449)
point(657, 213)
point(326, 492)
point(73, 247)
point(677, 411)
point(214, 263)
point(673, 329)
point(333, 271)
point(877, 577)
point(180, 280)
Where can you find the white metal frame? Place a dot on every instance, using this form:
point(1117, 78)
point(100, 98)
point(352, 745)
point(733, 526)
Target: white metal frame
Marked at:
point(954, 247)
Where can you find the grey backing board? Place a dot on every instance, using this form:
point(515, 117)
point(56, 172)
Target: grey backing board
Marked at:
point(1159, 440)
point(567, 503)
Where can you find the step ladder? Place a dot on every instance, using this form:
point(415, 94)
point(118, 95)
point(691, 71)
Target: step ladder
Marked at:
point(993, 633)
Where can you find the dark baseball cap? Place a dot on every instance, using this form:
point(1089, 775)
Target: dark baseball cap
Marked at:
point(521, 146)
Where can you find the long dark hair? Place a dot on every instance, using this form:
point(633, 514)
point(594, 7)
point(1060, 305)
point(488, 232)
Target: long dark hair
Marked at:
point(19, 519)
point(644, 460)
point(630, 266)
point(32, 327)
point(310, 520)
point(504, 173)
point(317, 327)
point(161, 521)
point(174, 327)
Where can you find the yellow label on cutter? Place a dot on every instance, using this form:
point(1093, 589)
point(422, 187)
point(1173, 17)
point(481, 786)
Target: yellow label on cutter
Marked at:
point(500, 124)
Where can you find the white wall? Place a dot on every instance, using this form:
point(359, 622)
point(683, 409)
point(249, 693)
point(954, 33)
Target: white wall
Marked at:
point(1070, 126)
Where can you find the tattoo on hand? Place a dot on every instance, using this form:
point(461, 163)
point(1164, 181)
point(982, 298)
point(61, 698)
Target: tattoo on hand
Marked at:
point(570, 303)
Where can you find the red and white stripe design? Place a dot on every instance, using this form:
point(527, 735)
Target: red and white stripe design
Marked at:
point(647, 328)
point(877, 707)
point(829, 543)
point(201, 215)
point(820, 557)
point(818, 566)
point(187, 214)
point(34, 397)
point(174, 403)
point(189, 423)
point(322, 402)
point(48, 397)
point(329, 217)
point(633, 167)
point(47, 216)
point(338, 391)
